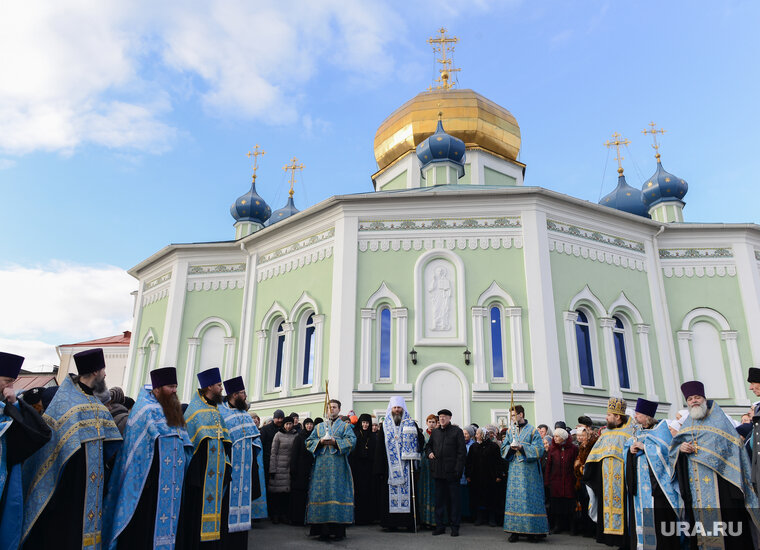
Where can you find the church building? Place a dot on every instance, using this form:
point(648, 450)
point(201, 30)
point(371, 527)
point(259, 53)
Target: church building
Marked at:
point(454, 284)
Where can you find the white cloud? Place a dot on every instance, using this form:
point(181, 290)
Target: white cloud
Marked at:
point(61, 303)
point(86, 71)
point(5, 164)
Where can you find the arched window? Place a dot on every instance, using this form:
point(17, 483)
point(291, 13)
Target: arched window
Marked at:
point(212, 348)
point(497, 349)
point(583, 337)
point(307, 376)
point(279, 349)
point(384, 362)
point(618, 333)
point(708, 359)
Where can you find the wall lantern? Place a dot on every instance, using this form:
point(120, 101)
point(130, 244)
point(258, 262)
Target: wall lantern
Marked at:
point(467, 355)
point(413, 355)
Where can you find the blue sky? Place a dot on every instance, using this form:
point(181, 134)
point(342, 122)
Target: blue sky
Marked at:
point(123, 129)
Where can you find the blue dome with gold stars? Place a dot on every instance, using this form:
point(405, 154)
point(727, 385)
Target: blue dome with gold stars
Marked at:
point(285, 212)
point(441, 147)
point(250, 207)
point(663, 186)
point(626, 198)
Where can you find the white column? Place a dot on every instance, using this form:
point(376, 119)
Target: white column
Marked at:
point(152, 363)
point(646, 361)
point(735, 364)
point(365, 368)
point(134, 361)
point(542, 321)
point(749, 285)
point(287, 353)
point(137, 367)
point(400, 314)
point(571, 345)
point(174, 314)
point(319, 326)
point(613, 377)
point(479, 349)
point(229, 356)
point(261, 364)
point(246, 319)
point(518, 361)
point(684, 348)
point(192, 351)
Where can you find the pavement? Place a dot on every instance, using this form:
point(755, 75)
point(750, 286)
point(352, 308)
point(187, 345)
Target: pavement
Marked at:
point(372, 537)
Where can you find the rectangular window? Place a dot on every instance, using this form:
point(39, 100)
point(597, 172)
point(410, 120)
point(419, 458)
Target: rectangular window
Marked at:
point(385, 344)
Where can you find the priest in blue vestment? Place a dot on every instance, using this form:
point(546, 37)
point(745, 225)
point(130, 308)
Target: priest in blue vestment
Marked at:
point(64, 482)
point(22, 432)
point(209, 472)
point(246, 446)
point(604, 473)
point(654, 498)
point(331, 490)
point(524, 510)
point(145, 490)
point(713, 473)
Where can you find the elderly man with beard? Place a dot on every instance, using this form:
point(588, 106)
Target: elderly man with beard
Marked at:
point(145, 490)
point(65, 480)
point(246, 446)
point(209, 473)
point(604, 473)
point(398, 443)
point(713, 473)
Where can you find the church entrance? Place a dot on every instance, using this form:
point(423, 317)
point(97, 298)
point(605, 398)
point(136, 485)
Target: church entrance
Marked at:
point(442, 386)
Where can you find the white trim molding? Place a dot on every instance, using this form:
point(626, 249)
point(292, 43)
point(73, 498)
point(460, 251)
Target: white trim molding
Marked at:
point(465, 387)
point(420, 289)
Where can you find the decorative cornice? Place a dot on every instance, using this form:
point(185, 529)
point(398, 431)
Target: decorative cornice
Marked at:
point(598, 254)
point(155, 295)
point(215, 268)
point(523, 396)
point(272, 255)
point(286, 402)
point(157, 281)
point(215, 284)
point(296, 255)
point(596, 236)
point(450, 243)
point(381, 396)
point(510, 222)
point(698, 270)
point(695, 253)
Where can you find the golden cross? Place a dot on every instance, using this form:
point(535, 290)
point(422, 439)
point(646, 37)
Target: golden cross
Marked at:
point(617, 141)
point(292, 167)
point(256, 153)
point(444, 45)
point(654, 131)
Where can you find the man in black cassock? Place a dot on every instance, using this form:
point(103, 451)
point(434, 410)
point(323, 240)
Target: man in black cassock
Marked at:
point(209, 473)
point(301, 463)
point(22, 432)
point(361, 460)
point(268, 432)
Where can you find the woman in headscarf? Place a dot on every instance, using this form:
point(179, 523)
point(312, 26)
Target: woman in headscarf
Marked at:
point(301, 462)
point(469, 440)
point(361, 460)
point(279, 471)
point(484, 471)
point(586, 438)
point(560, 478)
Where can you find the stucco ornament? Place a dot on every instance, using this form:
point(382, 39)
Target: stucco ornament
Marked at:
point(439, 290)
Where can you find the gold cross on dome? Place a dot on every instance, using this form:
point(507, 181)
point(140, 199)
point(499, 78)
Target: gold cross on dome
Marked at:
point(617, 141)
point(256, 153)
point(292, 167)
point(654, 131)
point(444, 45)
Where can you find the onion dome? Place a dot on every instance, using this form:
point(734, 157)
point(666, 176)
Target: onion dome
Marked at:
point(663, 187)
point(441, 147)
point(477, 121)
point(285, 212)
point(250, 207)
point(626, 198)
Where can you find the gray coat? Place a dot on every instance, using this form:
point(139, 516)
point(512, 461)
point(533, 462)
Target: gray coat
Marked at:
point(279, 461)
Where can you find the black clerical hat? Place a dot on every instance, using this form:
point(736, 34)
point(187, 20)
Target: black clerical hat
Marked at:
point(234, 385)
point(89, 361)
point(209, 377)
point(10, 365)
point(165, 376)
point(695, 387)
point(753, 375)
point(648, 408)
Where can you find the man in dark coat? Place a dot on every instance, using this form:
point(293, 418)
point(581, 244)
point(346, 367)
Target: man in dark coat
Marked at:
point(361, 460)
point(484, 470)
point(268, 432)
point(446, 452)
point(301, 462)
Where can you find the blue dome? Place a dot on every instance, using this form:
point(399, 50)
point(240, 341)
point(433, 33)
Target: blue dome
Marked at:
point(626, 198)
point(251, 207)
point(663, 186)
point(285, 212)
point(441, 147)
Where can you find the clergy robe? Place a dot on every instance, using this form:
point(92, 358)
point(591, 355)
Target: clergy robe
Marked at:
point(22, 432)
point(244, 486)
point(604, 473)
point(301, 463)
point(207, 477)
point(331, 492)
point(395, 447)
point(524, 509)
point(715, 481)
point(653, 496)
point(361, 460)
point(259, 505)
point(426, 485)
point(65, 480)
point(145, 490)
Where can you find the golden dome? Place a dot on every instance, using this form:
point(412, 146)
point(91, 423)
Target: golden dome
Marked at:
point(467, 115)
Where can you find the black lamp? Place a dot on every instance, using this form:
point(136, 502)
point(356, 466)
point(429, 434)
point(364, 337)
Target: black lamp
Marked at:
point(413, 355)
point(467, 355)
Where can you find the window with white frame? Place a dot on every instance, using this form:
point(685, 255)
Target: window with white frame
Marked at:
point(585, 355)
point(212, 348)
point(307, 343)
point(709, 365)
point(621, 354)
point(277, 353)
point(497, 340)
point(384, 344)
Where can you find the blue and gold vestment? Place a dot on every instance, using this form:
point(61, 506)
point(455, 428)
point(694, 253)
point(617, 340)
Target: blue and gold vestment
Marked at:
point(331, 490)
point(146, 424)
point(524, 510)
point(245, 436)
point(77, 420)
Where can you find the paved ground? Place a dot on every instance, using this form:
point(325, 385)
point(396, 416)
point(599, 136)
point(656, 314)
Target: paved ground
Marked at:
point(266, 535)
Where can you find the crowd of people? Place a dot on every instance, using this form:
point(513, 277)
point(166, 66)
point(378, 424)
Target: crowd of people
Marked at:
point(82, 466)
